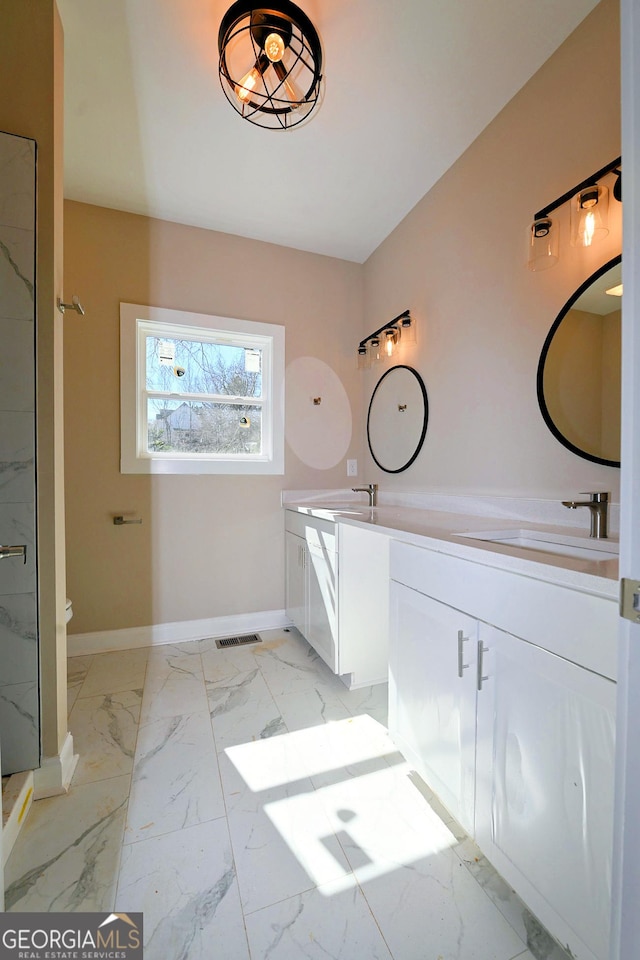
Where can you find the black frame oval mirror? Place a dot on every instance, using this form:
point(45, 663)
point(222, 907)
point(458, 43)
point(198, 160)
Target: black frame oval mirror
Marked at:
point(573, 438)
point(397, 418)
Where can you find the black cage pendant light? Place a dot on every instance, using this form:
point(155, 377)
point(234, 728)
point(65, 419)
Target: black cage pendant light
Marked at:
point(270, 63)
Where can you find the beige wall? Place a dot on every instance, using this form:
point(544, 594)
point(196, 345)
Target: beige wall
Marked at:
point(211, 547)
point(458, 261)
point(31, 81)
point(208, 546)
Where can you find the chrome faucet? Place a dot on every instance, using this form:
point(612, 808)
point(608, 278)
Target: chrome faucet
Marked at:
point(371, 489)
point(598, 504)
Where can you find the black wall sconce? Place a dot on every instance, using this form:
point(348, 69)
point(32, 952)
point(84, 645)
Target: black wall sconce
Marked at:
point(270, 63)
point(382, 343)
point(589, 214)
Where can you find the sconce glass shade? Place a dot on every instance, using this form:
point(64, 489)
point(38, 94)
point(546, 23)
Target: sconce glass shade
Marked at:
point(543, 244)
point(589, 215)
point(375, 350)
point(364, 362)
point(407, 330)
point(390, 340)
point(270, 63)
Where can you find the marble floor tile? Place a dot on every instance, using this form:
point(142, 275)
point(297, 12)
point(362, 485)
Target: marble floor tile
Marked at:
point(310, 708)
point(265, 796)
point(226, 664)
point(325, 922)
point(74, 865)
point(174, 685)
point(115, 672)
point(282, 840)
point(508, 902)
point(176, 782)
point(401, 854)
point(430, 909)
point(290, 665)
point(372, 701)
point(104, 730)
point(185, 885)
point(77, 669)
point(242, 709)
point(345, 748)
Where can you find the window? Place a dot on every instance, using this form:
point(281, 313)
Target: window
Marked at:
point(200, 394)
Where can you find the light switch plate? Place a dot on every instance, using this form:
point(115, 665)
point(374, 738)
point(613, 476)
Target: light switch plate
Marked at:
point(352, 468)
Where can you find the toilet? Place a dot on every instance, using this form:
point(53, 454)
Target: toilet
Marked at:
point(68, 610)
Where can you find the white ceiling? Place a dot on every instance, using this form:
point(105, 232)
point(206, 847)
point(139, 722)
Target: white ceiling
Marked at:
point(409, 84)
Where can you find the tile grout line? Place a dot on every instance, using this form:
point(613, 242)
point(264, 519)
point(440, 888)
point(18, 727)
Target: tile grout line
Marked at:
point(226, 809)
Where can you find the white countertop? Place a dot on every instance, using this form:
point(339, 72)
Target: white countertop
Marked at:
point(441, 532)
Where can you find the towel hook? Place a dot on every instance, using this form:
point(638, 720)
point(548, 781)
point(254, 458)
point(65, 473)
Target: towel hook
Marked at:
point(74, 305)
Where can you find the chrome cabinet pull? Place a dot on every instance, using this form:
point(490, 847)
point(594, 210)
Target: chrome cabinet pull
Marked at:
point(481, 651)
point(18, 550)
point(461, 664)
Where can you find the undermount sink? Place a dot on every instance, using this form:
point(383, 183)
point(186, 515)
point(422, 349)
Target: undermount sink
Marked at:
point(357, 509)
point(545, 542)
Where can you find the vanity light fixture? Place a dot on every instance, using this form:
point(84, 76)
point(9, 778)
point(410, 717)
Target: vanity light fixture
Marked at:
point(589, 215)
point(382, 343)
point(589, 211)
point(270, 63)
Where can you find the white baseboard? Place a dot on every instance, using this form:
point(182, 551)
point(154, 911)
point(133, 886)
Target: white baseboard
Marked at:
point(53, 776)
point(104, 641)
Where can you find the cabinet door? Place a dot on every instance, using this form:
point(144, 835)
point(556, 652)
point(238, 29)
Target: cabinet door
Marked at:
point(432, 695)
point(544, 786)
point(322, 586)
point(295, 592)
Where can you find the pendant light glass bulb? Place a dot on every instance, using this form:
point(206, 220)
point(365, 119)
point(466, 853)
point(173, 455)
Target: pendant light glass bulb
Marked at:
point(248, 84)
point(389, 342)
point(289, 89)
point(274, 47)
point(589, 212)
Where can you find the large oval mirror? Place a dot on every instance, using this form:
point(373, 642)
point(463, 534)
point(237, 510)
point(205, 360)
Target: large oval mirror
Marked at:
point(397, 420)
point(579, 369)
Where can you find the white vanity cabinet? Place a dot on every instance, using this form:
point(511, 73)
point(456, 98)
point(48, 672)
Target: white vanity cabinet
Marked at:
point(544, 785)
point(312, 582)
point(520, 748)
point(432, 696)
point(337, 587)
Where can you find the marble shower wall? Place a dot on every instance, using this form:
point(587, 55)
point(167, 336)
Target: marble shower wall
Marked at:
point(19, 661)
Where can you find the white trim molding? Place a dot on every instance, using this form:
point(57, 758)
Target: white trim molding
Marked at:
point(105, 641)
point(53, 776)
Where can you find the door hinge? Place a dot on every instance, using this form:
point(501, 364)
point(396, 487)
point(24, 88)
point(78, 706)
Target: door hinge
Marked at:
point(630, 600)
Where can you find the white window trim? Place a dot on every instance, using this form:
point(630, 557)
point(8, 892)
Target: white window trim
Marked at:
point(133, 318)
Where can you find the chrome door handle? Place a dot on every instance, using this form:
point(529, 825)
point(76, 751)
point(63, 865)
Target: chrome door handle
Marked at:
point(481, 651)
point(19, 550)
point(461, 664)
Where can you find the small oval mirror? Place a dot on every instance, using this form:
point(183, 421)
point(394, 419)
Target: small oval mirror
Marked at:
point(579, 369)
point(397, 420)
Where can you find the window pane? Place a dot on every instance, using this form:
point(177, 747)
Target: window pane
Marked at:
point(190, 366)
point(203, 428)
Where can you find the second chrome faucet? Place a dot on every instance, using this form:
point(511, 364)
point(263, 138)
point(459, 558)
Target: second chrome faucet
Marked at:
point(372, 490)
point(598, 504)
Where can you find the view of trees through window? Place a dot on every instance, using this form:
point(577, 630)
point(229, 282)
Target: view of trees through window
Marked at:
point(203, 397)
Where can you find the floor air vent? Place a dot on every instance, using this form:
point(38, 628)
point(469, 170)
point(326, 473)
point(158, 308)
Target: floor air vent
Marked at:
point(237, 641)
